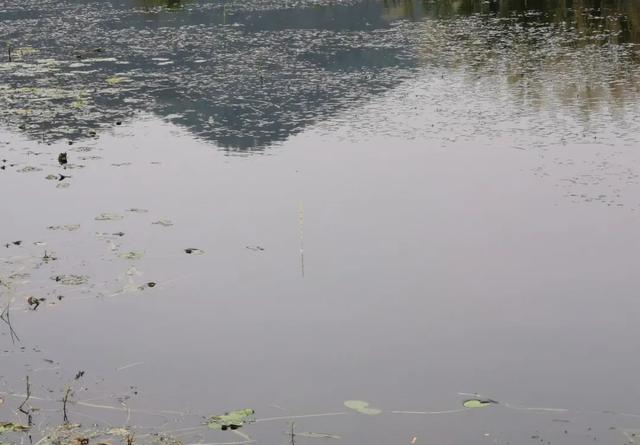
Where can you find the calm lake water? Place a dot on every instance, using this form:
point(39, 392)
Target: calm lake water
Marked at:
point(285, 205)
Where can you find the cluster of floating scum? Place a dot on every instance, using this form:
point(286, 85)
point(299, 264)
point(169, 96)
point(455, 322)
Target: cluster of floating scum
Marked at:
point(30, 268)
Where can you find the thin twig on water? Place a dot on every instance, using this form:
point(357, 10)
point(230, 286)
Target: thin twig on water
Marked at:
point(292, 433)
point(21, 407)
point(6, 318)
point(301, 230)
point(65, 399)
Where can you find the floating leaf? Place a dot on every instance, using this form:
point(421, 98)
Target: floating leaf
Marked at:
point(108, 217)
point(115, 80)
point(478, 403)
point(362, 407)
point(29, 169)
point(70, 280)
point(67, 227)
point(133, 255)
point(121, 432)
point(231, 420)
point(12, 427)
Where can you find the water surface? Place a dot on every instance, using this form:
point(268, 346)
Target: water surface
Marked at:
point(433, 199)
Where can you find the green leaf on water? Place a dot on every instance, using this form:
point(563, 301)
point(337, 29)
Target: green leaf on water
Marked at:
point(12, 427)
point(231, 420)
point(362, 407)
point(108, 217)
point(477, 403)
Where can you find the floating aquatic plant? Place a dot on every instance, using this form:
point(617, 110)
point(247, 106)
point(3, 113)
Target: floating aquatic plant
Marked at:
point(10, 427)
point(362, 407)
point(478, 403)
point(231, 420)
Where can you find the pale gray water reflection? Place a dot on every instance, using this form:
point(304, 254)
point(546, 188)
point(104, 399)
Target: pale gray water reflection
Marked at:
point(429, 270)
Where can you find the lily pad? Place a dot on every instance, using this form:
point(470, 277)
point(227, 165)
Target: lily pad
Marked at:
point(478, 403)
point(231, 420)
point(12, 427)
point(362, 407)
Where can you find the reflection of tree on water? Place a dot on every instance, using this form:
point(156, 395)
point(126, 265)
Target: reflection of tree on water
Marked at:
point(545, 53)
point(249, 83)
point(620, 17)
point(267, 73)
point(170, 4)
